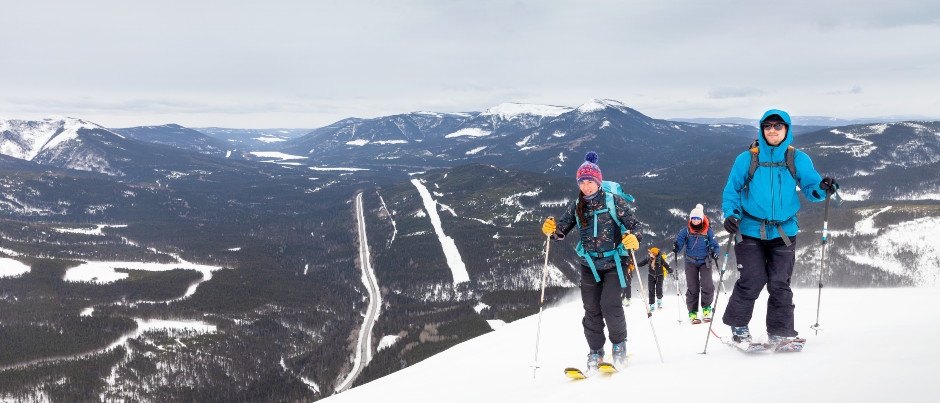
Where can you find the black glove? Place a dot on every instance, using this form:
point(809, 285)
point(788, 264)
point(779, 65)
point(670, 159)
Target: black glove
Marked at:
point(675, 247)
point(715, 256)
point(731, 225)
point(829, 185)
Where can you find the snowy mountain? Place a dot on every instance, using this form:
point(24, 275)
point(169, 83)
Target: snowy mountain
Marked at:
point(62, 142)
point(850, 360)
point(536, 138)
point(179, 137)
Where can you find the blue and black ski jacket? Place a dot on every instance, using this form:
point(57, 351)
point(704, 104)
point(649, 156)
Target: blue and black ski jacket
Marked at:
point(771, 202)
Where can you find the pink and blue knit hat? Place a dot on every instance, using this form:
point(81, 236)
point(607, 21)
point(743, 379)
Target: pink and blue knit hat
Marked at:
point(589, 169)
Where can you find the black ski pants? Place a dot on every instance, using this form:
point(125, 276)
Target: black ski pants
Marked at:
point(656, 287)
point(763, 263)
point(698, 278)
point(602, 304)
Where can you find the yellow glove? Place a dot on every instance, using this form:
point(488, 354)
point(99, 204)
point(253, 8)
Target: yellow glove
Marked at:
point(630, 270)
point(548, 227)
point(630, 242)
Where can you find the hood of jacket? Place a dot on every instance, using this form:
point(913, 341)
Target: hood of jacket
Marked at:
point(774, 153)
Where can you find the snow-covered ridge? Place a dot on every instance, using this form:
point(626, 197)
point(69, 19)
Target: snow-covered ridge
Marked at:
point(35, 136)
point(595, 105)
point(508, 111)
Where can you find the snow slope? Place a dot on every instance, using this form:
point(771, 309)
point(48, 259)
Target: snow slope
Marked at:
point(876, 345)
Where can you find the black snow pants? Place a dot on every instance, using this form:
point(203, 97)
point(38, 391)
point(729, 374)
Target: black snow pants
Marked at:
point(602, 304)
point(656, 287)
point(760, 263)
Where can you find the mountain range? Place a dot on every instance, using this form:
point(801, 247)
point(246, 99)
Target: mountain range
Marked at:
point(275, 206)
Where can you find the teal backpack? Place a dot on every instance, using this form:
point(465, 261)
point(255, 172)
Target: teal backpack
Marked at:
point(610, 189)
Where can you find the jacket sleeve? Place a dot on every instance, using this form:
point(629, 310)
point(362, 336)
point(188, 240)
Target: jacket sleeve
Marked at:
point(808, 177)
point(680, 239)
point(567, 220)
point(713, 241)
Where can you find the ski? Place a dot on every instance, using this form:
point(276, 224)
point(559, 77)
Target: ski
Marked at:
point(744, 346)
point(574, 373)
point(602, 367)
point(696, 321)
point(790, 345)
point(606, 367)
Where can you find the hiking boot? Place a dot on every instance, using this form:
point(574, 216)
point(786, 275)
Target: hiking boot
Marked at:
point(659, 303)
point(775, 341)
point(626, 302)
point(707, 313)
point(594, 357)
point(741, 334)
point(620, 353)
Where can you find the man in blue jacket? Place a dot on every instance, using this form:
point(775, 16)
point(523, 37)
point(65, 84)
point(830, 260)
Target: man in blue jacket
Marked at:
point(763, 210)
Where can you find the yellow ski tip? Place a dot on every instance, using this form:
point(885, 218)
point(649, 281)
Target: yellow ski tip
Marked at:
point(606, 367)
point(574, 373)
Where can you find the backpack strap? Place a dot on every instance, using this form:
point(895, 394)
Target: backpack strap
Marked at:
point(590, 256)
point(612, 208)
point(789, 156)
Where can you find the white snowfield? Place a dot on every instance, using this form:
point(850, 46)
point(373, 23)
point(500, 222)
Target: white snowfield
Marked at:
point(877, 345)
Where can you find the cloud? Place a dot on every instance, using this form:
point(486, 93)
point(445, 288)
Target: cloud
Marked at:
point(741, 92)
point(854, 90)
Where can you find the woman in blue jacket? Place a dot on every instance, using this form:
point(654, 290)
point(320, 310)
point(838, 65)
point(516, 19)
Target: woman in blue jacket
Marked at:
point(763, 210)
point(699, 243)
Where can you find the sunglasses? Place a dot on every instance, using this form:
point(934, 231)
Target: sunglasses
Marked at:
point(776, 126)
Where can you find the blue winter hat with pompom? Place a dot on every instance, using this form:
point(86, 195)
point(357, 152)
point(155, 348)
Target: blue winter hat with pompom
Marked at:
point(589, 169)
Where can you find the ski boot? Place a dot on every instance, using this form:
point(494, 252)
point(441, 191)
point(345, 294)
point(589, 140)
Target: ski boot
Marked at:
point(693, 317)
point(626, 302)
point(707, 313)
point(783, 344)
point(652, 307)
point(594, 357)
point(620, 353)
point(659, 303)
point(741, 334)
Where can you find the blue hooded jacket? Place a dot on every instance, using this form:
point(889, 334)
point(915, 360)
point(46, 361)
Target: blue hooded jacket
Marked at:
point(772, 193)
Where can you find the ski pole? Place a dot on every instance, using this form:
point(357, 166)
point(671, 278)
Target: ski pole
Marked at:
point(715, 302)
point(538, 331)
point(822, 263)
point(721, 283)
point(675, 270)
point(649, 314)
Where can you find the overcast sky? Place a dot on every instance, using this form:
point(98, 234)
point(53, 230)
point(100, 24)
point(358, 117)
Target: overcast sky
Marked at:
point(306, 64)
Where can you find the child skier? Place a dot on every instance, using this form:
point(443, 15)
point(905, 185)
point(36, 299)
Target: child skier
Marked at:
point(658, 270)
